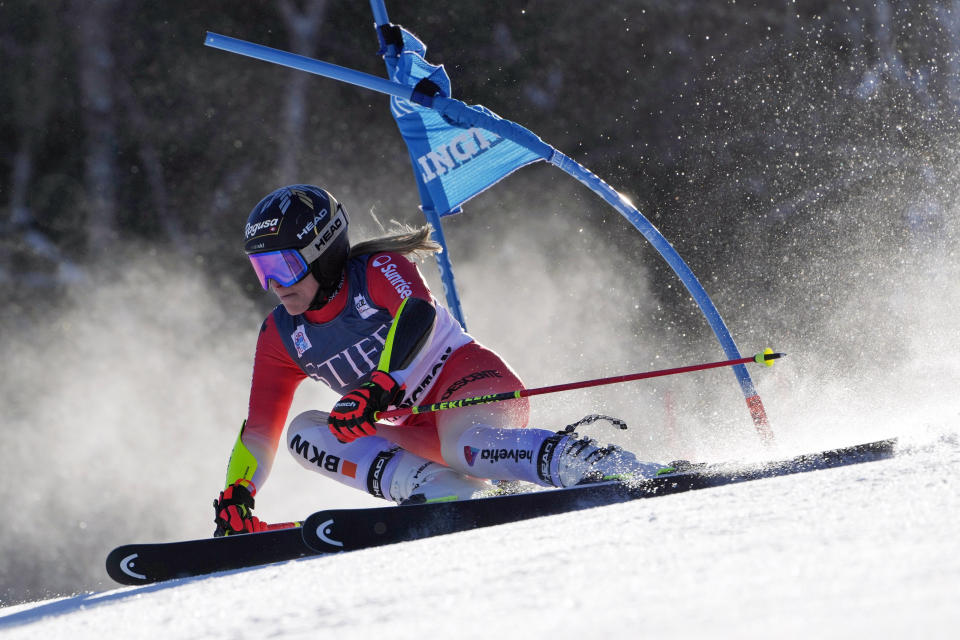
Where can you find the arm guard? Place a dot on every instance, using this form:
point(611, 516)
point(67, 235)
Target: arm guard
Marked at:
point(242, 464)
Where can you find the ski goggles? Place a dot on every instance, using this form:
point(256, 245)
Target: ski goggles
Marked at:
point(288, 266)
point(285, 267)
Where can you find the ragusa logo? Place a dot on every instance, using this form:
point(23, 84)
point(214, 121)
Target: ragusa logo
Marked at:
point(252, 229)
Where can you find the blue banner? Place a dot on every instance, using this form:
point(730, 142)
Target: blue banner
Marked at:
point(451, 163)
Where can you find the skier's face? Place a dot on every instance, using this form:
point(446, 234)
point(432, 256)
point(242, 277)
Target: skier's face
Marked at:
point(297, 297)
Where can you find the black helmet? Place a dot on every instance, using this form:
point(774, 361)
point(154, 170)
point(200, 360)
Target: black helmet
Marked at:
point(295, 230)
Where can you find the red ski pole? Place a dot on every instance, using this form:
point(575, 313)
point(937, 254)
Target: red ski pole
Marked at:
point(767, 357)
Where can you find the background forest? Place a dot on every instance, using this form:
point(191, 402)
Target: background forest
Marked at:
point(801, 156)
point(725, 121)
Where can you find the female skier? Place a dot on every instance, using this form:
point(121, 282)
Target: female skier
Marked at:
point(362, 321)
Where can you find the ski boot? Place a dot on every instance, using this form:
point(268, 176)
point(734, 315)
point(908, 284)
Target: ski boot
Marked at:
point(583, 461)
point(434, 482)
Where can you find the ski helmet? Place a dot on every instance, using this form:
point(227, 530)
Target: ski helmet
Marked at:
point(295, 230)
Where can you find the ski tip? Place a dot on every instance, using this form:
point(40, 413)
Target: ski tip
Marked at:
point(122, 566)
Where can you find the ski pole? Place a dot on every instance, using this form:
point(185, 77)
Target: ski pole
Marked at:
point(767, 358)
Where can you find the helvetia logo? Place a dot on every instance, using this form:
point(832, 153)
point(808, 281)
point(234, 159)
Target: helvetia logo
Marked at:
point(496, 455)
point(470, 454)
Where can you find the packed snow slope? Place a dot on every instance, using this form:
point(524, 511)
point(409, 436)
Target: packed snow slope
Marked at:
point(862, 551)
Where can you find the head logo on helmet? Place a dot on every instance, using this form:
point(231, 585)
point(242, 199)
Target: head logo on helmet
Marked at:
point(312, 224)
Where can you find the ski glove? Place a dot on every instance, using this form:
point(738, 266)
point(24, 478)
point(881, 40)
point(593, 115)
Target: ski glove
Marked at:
point(353, 416)
point(234, 511)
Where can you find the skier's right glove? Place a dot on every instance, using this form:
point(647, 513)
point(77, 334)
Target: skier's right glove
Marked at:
point(354, 415)
point(234, 511)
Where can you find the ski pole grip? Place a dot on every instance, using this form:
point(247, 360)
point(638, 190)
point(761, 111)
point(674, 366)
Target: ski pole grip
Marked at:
point(767, 357)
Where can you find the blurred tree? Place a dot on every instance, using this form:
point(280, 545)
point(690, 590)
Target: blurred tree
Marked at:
point(33, 40)
point(94, 20)
point(304, 29)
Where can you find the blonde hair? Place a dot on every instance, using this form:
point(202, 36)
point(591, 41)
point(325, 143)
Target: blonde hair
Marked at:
point(410, 240)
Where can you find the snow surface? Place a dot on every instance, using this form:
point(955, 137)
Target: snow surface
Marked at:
point(862, 551)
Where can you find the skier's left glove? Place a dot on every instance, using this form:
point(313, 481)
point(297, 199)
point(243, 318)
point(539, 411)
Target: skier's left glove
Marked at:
point(234, 511)
point(353, 416)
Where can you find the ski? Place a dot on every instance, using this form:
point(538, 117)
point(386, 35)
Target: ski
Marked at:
point(351, 529)
point(136, 564)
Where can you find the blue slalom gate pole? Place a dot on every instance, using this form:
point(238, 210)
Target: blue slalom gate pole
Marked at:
point(444, 263)
point(445, 267)
point(303, 63)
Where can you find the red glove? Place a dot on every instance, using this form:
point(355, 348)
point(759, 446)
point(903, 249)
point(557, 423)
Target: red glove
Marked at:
point(353, 416)
point(234, 510)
